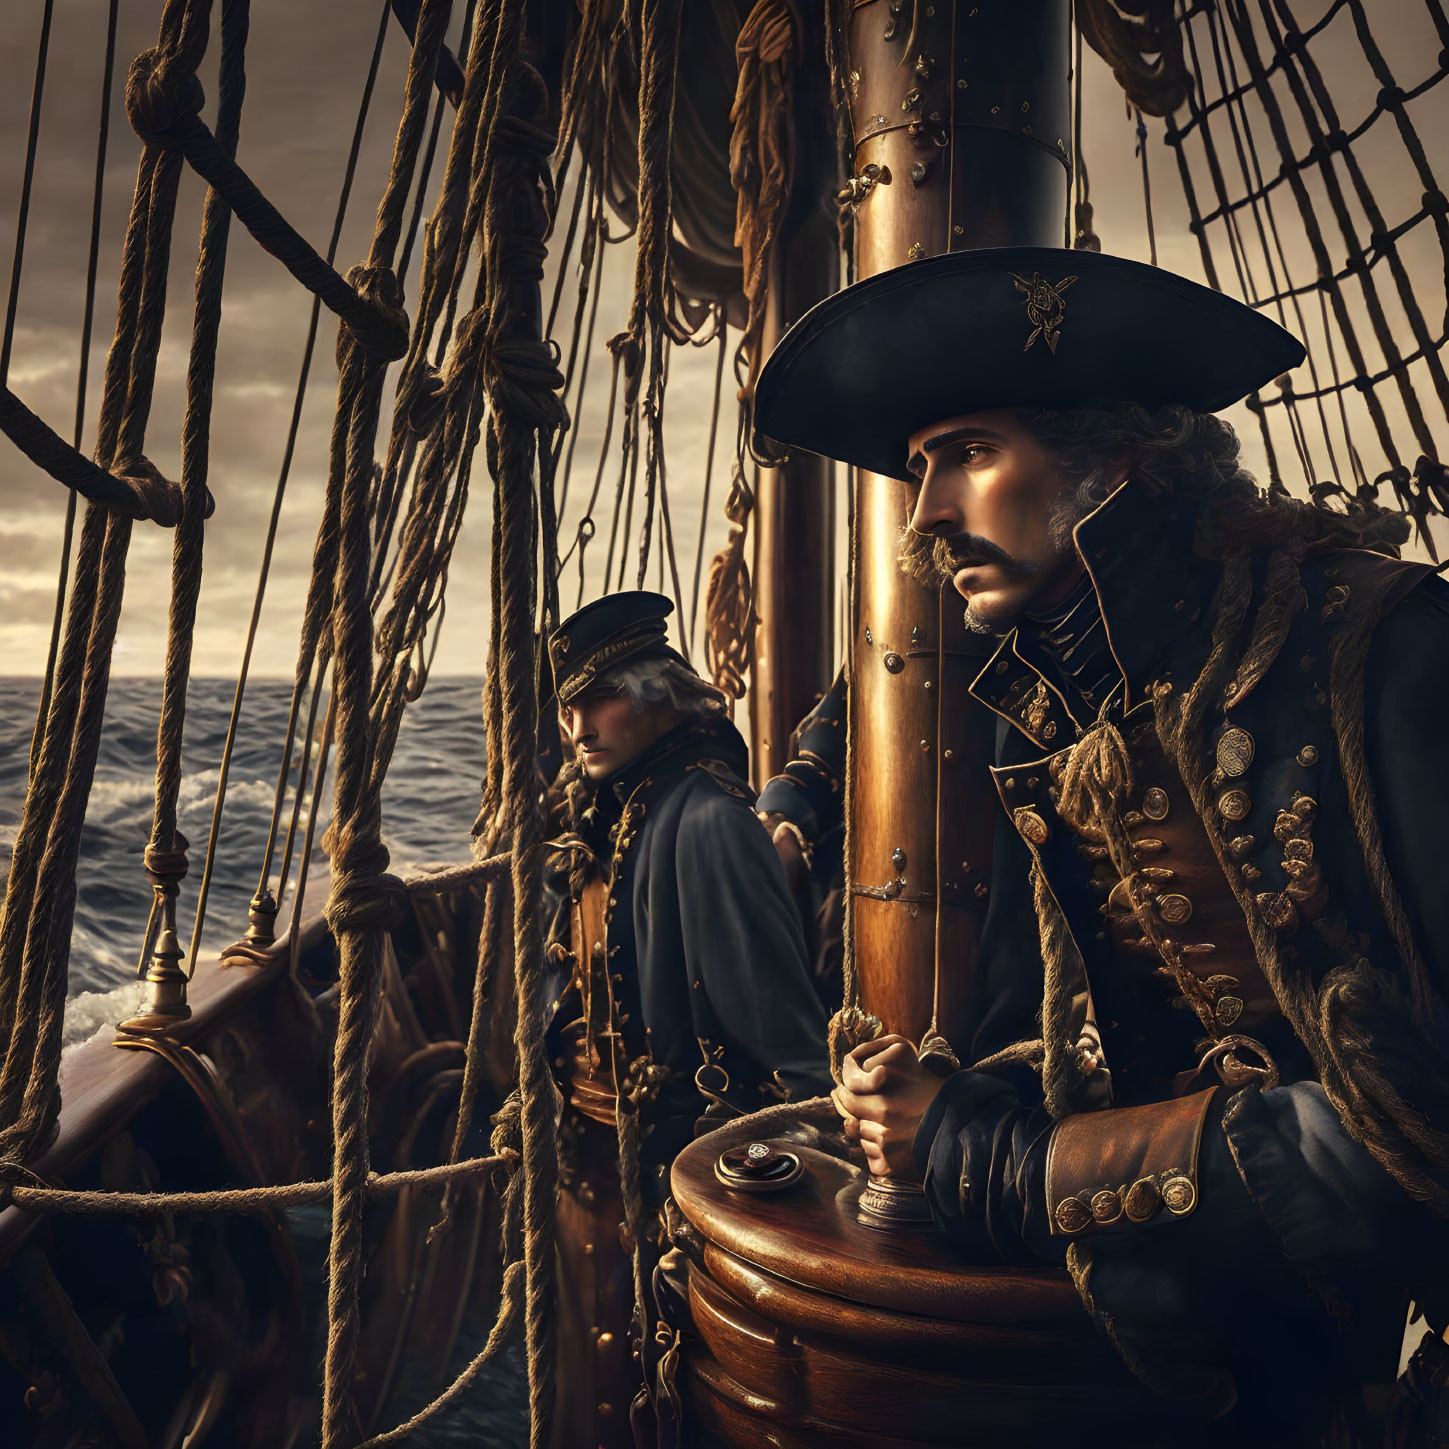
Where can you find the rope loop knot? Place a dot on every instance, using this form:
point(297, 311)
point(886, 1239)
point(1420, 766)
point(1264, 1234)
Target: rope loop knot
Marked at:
point(365, 895)
point(365, 902)
point(15, 1174)
point(168, 864)
point(162, 95)
point(153, 495)
point(626, 349)
point(507, 1121)
point(376, 320)
point(423, 397)
point(524, 379)
point(849, 1028)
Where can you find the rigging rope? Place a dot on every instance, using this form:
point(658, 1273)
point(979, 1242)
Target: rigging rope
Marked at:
point(364, 898)
point(83, 373)
point(166, 853)
point(523, 386)
point(40, 891)
point(76, 1203)
point(163, 101)
point(714, 413)
point(32, 144)
point(501, 174)
point(279, 494)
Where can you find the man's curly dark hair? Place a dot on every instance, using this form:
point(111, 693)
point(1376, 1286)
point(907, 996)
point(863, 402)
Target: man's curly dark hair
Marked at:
point(1197, 457)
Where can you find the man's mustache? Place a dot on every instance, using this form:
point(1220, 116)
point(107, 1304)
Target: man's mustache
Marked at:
point(937, 558)
point(957, 551)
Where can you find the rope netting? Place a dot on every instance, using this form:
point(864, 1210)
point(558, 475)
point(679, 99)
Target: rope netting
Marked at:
point(1324, 212)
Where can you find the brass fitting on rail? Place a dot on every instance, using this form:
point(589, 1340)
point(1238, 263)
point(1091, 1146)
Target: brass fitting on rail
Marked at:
point(164, 1003)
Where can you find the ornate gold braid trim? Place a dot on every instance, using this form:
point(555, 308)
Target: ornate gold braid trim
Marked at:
point(603, 657)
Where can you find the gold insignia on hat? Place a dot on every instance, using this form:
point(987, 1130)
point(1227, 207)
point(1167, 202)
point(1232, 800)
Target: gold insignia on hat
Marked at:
point(1045, 308)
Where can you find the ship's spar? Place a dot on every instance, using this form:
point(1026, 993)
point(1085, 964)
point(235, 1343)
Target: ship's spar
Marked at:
point(476, 369)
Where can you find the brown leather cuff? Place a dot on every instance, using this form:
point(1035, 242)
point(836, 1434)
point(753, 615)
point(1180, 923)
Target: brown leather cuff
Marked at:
point(1120, 1169)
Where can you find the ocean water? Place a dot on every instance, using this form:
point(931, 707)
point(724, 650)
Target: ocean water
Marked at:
point(429, 803)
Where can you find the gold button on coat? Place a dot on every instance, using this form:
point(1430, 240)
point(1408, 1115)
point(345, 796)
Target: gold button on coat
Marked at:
point(1032, 827)
point(1072, 1215)
point(1155, 804)
point(1278, 910)
point(1179, 1195)
point(1106, 1206)
point(1227, 1009)
point(1143, 1200)
point(1235, 751)
point(1174, 909)
point(1234, 804)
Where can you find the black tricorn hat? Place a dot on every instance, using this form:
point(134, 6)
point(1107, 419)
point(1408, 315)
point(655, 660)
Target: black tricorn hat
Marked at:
point(1006, 327)
point(617, 627)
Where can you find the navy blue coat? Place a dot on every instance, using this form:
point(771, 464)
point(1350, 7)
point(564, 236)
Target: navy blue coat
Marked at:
point(703, 932)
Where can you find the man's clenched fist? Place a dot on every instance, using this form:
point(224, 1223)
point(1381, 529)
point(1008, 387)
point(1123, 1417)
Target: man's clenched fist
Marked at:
point(883, 1095)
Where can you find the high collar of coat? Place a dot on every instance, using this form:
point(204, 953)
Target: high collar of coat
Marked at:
point(1154, 590)
point(689, 741)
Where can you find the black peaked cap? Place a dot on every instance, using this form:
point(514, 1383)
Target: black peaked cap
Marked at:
point(1006, 327)
point(605, 633)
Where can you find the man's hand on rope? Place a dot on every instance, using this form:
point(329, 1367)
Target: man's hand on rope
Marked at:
point(883, 1095)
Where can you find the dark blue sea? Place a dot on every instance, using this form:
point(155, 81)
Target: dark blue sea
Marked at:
point(429, 804)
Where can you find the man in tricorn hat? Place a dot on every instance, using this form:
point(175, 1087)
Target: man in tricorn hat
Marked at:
point(1216, 935)
point(684, 997)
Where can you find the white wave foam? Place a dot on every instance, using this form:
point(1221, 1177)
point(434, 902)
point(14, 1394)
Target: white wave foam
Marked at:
point(90, 1012)
point(131, 793)
point(198, 792)
point(195, 798)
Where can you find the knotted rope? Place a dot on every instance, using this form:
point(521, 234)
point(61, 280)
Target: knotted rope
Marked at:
point(526, 411)
point(163, 104)
point(762, 150)
point(136, 490)
point(729, 609)
point(762, 163)
point(166, 858)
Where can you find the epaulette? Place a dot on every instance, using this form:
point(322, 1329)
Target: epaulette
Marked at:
point(726, 779)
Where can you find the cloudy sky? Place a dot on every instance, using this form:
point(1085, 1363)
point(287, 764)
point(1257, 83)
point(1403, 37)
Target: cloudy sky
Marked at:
point(307, 62)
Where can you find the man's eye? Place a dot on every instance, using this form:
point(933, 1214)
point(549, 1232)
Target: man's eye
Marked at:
point(973, 454)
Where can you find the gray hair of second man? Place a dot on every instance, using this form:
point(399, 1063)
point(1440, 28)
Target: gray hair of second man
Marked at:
point(648, 682)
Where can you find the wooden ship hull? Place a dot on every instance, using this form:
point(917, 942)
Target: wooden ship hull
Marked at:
point(164, 1330)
